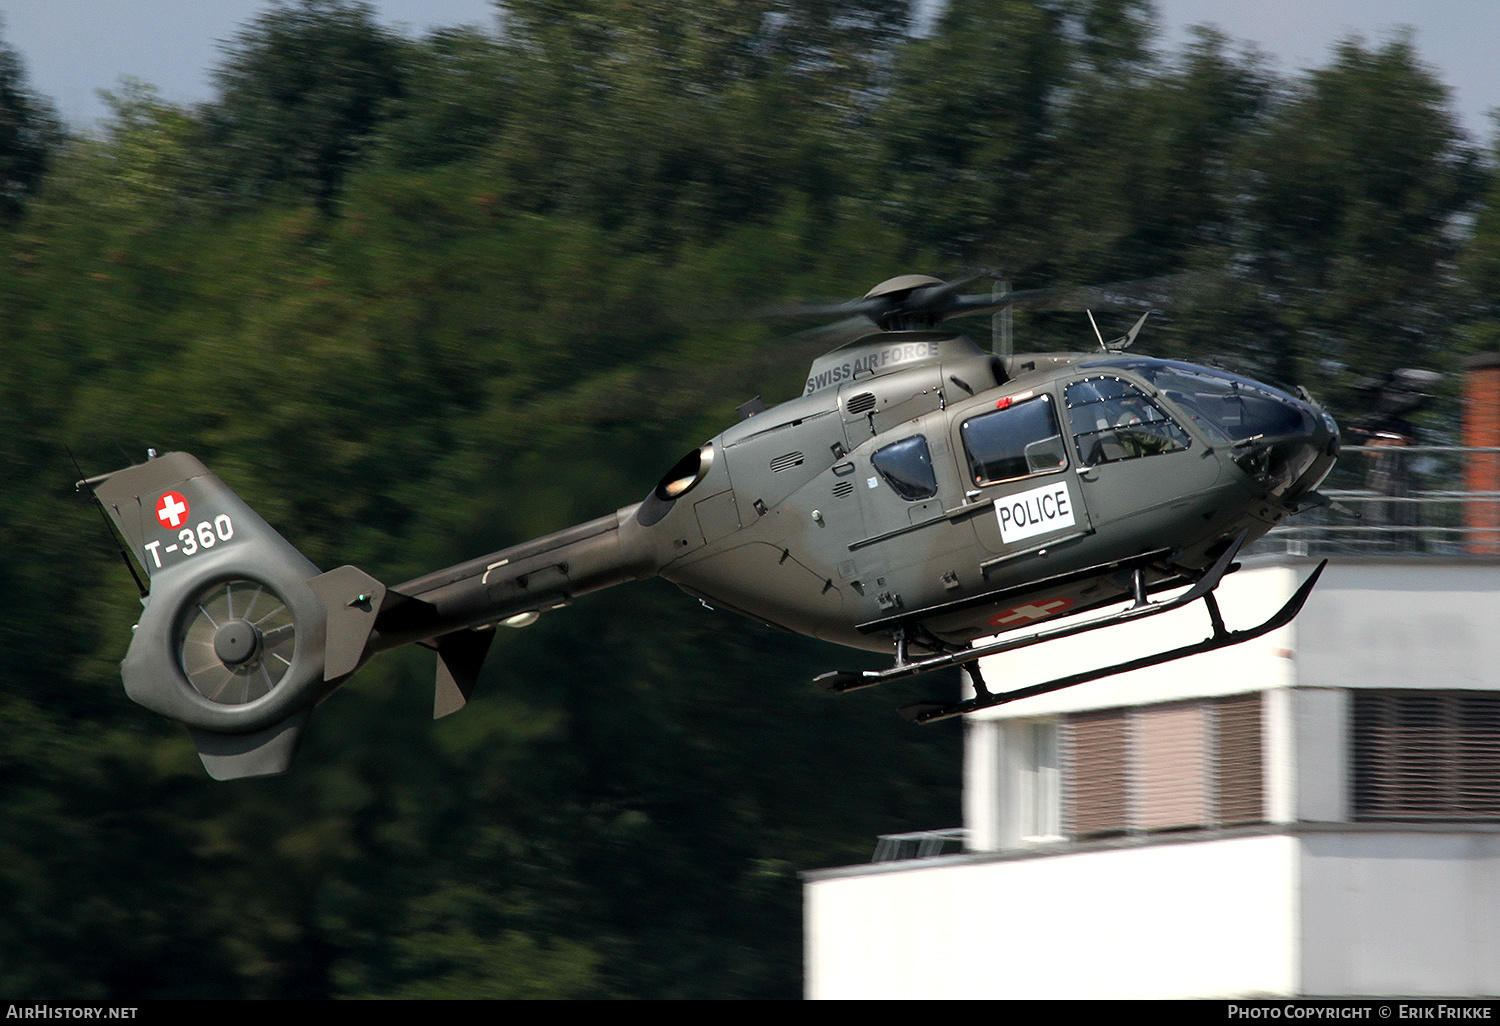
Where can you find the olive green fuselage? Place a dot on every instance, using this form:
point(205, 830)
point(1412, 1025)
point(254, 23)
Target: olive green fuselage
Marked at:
point(826, 546)
point(923, 485)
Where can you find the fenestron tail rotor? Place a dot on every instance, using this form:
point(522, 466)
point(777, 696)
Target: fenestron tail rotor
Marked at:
point(238, 641)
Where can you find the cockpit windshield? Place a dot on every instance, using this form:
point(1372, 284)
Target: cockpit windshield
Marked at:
point(1224, 406)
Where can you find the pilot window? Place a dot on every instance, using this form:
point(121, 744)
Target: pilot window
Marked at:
point(1017, 441)
point(1225, 406)
point(907, 467)
point(1113, 420)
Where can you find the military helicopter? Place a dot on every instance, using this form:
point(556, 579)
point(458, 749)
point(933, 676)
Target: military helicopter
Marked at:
point(922, 498)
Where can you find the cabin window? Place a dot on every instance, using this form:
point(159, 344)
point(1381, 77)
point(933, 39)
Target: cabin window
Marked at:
point(907, 467)
point(1113, 420)
point(1017, 441)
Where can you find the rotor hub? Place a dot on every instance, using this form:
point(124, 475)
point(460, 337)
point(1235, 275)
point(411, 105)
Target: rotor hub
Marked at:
point(236, 642)
point(902, 284)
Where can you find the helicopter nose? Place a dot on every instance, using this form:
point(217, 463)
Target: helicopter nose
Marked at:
point(1294, 463)
point(1308, 460)
point(1320, 451)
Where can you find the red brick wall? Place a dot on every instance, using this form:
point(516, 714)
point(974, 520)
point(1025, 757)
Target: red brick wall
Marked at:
point(1482, 470)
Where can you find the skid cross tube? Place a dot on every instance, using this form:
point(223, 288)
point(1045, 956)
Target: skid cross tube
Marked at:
point(839, 681)
point(931, 712)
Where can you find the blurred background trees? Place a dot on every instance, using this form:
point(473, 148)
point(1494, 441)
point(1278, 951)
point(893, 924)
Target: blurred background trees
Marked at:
point(29, 133)
point(420, 298)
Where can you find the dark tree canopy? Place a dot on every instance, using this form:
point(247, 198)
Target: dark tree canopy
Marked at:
point(1354, 191)
point(29, 134)
point(301, 88)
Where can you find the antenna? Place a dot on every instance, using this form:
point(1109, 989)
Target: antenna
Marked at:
point(1102, 347)
point(1000, 341)
point(1123, 342)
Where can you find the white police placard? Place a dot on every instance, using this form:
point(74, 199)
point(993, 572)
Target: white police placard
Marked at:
point(1034, 512)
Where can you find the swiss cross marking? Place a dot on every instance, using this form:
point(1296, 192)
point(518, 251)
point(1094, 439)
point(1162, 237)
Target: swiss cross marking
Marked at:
point(171, 510)
point(1029, 612)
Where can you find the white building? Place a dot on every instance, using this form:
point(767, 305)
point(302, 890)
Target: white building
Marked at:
point(1315, 812)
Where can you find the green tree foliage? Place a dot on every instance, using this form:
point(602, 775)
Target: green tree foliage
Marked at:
point(428, 376)
point(1144, 171)
point(460, 87)
point(966, 130)
point(1047, 141)
point(418, 299)
point(667, 123)
point(301, 88)
point(1479, 275)
point(29, 133)
point(1353, 191)
point(1113, 35)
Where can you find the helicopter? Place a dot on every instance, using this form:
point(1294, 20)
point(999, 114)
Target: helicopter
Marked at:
point(922, 498)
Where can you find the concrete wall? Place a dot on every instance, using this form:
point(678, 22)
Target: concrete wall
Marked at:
point(1174, 920)
point(1411, 912)
point(1402, 625)
point(1320, 912)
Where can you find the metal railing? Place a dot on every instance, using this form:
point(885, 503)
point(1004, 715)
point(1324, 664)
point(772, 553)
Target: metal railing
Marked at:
point(920, 844)
point(1401, 500)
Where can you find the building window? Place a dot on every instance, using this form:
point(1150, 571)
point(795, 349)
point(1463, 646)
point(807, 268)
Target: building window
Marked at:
point(1239, 761)
point(1173, 766)
point(1171, 775)
point(1097, 782)
point(1426, 755)
point(1039, 790)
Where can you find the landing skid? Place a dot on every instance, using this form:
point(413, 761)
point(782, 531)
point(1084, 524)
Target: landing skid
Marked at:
point(931, 712)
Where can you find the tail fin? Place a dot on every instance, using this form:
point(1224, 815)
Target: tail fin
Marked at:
point(241, 635)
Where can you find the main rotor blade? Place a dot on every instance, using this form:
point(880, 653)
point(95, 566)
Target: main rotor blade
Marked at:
point(833, 336)
point(1143, 294)
point(941, 301)
point(852, 308)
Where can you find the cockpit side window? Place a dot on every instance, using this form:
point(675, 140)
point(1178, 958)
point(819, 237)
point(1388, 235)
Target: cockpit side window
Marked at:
point(1016, 441)
point(1225, 406)
point(907, 467)
point(1113, 420)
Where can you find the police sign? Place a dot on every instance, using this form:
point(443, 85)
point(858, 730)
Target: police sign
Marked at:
point(1034, 512)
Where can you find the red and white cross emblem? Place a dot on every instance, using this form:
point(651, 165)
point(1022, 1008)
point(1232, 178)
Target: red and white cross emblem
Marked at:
point(171, 510)
point(1030, 611)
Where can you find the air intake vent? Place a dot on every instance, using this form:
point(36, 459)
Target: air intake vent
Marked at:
point(787, 462)
point(862, 403)
point(842, 489)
